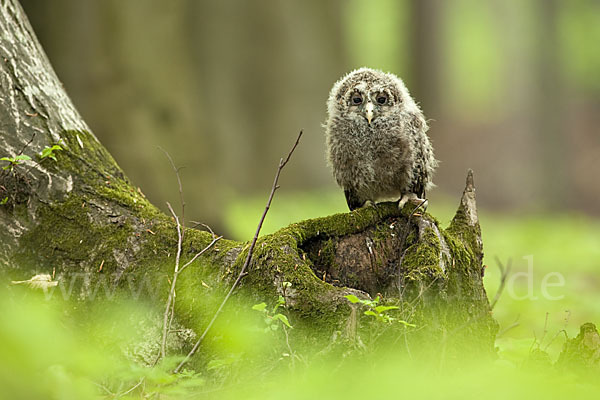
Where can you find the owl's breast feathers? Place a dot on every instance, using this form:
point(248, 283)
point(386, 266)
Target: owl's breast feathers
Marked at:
point(376, 161)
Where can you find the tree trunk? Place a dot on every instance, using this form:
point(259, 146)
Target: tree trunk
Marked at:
point(79, 220)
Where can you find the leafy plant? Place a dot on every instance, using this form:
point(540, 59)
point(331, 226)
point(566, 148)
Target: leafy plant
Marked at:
point(377, 311)
point(14, 161)
point(272, 316)
point(156, 381)
point(49, 152)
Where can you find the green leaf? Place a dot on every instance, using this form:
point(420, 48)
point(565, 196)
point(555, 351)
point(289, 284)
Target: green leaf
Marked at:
point(260, 307)
point(4, 201)
point(48, 152)
point(371, 312)
point(352, 298)
point(22, 157)
point(7, 159)
point(283, 319)
point(381, 309)
point(406, 323)
point(280, 302)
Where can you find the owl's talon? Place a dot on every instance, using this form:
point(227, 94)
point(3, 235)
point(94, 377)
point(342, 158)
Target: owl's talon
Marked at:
point(405, 198)
point(413, 199)
point(370, 203)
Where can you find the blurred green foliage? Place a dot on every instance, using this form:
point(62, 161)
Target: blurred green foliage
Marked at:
point(579, 32)
point(50, 349)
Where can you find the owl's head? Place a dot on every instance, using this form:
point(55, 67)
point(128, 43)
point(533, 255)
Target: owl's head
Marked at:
point(366, 95)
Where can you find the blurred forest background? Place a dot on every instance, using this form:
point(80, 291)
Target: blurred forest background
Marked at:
point(512, 88)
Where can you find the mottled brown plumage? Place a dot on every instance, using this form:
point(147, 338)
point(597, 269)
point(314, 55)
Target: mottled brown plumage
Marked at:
point(376, 138)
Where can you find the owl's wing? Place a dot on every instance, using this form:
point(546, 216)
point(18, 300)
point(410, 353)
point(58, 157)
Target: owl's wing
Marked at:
point(424, 161)
point(352, 199)
point(418, 183)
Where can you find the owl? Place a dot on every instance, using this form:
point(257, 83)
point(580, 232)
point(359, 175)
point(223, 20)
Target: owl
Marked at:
point(377, 143)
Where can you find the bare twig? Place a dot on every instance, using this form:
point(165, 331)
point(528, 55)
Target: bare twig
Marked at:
point(508, 328)
point(197, 224)
point(187, 264)
point(555, 336)
point(170, 307)
point(274, 187)
point(27, 144)
point(181, 200)
point(173, 282)
point(131, 389)
point(504, 272)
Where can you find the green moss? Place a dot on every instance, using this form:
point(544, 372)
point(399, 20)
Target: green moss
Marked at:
point(422, 259)
point(67, 235)
point(462, 255)
point(341, 224)
point(467, 234)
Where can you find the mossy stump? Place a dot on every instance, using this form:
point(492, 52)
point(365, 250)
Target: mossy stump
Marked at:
point(78, 219)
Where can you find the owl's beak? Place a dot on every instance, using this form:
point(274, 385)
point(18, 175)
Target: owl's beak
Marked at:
point(369, 112)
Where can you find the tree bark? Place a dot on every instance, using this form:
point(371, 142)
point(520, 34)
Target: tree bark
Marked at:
point(79, 220)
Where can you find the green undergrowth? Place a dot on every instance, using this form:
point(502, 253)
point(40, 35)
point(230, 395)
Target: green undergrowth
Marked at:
point(51, 350)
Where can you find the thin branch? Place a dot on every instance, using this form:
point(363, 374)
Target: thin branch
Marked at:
point(131, 389)
point(508, 328)
point(274, 187)
point(197, 224)
point(181, 200)
point(163, 344)
point(215, 240)
point(170, 307)
point(555, 336)
point(27, 144)
point(504, 272)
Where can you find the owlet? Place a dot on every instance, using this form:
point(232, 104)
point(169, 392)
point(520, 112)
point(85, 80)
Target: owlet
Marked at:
point(376, 137)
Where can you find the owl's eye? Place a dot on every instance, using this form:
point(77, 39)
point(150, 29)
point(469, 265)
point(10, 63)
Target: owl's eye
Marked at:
point(382, 98)
point(356, 98)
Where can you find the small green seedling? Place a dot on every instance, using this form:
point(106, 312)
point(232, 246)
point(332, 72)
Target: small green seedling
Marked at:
point(4, 201)
point(376, 311)
point(14, 161)
point(49, 152)
point(271, 317)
